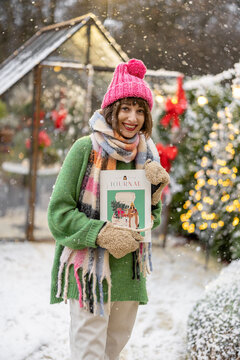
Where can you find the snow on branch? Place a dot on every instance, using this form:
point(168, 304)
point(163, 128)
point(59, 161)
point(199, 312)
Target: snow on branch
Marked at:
point(208, 80)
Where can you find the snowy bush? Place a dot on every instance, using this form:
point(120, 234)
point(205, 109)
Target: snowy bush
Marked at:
point(214, 323)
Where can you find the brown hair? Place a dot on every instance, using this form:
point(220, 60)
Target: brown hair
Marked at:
point(111, 114)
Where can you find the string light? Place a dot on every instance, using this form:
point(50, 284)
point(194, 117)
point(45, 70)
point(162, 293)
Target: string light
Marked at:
point(212, 182)
point(204, 161)
point(159, 99)
point(235, 221)
point(236, 90)
point(202, 100)
point(225, 170)
point(198, 174)
point(57, 68)
point(198, 195)
point(199, 206)
point(187, 204)
point(227, 182)
point(221, 162)
point(211, 143)
point(191, 228)
point(225, 198)
point(203, 226)
point(201, 182)
point(213, 135)
point(185, 225)
point(184, 217)
point(208, 200)
point(230, 208)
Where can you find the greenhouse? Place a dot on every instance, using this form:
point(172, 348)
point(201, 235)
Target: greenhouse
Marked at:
point(48, 90)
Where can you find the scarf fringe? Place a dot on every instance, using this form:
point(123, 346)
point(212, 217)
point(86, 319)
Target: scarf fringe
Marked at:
point(145, 258)
point(94, 264)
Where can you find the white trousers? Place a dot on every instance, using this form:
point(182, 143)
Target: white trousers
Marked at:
point(101, 337)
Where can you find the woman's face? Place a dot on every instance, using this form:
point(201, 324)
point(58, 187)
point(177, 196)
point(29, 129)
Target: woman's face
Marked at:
point(131, 118)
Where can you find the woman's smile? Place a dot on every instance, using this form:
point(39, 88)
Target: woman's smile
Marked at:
point(129, 127)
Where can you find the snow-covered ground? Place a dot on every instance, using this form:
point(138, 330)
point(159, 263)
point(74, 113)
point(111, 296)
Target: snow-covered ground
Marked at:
point(31, 329)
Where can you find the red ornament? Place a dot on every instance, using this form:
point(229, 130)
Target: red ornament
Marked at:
point(174, 110)
point(167, 155)
point(59, 117)
point(43, 140)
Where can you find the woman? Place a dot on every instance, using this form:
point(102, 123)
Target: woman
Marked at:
point(98, 266)
point(133, 217)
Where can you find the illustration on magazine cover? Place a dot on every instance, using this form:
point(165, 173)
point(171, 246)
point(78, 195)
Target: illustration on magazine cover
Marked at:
point(125, 199)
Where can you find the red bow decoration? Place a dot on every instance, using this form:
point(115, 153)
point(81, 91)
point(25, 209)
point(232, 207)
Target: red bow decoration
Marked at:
point(59, 117)
point(167, 155)
point(174, 110)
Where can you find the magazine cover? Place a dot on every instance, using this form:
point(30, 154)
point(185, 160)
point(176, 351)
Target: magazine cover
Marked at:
point(125, 199)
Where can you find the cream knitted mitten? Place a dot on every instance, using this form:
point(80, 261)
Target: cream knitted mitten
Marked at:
point(157, 175)
point(119, 242)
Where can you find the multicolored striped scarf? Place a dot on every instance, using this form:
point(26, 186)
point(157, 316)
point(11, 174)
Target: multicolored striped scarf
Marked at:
point(108, 147)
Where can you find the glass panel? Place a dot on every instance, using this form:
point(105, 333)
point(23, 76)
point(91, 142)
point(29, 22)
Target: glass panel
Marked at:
point(102, 53)
point(62, 109)
point(74, 49)
point(101, 80)
point(15, 123)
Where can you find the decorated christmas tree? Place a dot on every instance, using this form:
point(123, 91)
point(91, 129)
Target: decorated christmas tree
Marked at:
point(213, 206)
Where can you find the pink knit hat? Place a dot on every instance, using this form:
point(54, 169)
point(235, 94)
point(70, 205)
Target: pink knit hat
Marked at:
point(128, 82)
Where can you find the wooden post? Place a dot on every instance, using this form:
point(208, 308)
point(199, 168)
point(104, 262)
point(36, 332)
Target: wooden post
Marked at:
point(34, 153)
point(88, 102)
point(165, 226)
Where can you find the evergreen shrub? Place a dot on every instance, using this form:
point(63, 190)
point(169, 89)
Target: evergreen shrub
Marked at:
point(214, 323)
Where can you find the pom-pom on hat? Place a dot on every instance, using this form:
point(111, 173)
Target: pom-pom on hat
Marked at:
point(128, 82)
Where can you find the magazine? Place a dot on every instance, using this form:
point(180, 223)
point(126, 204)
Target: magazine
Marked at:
point(125, 200)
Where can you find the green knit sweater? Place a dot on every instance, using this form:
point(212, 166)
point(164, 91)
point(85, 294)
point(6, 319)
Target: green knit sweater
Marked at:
point(74, 229)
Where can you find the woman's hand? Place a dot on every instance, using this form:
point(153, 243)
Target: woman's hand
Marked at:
point(157, 176)
point(119, 242)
